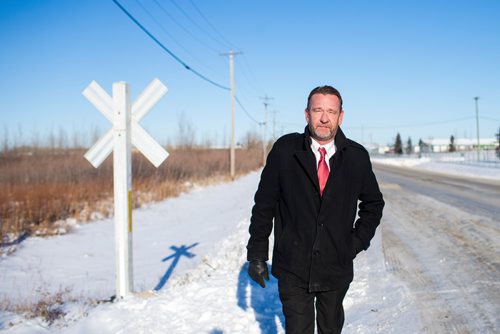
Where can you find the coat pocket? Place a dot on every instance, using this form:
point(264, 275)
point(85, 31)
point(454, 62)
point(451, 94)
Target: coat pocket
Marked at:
point(345, 250)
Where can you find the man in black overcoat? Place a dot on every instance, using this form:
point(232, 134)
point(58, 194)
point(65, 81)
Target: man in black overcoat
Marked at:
point(311, 188)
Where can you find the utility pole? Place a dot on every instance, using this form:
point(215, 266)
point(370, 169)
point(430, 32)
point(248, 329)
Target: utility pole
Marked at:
point(264, 134)
point(477, 127)
point(231, 54)
point(274, 112)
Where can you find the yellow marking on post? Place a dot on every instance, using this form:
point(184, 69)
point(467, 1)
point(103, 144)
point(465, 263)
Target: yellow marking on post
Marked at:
point(130, 211)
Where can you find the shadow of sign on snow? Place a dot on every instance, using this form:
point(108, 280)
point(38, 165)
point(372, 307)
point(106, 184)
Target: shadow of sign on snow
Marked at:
point(175, 257)
point(264, 301)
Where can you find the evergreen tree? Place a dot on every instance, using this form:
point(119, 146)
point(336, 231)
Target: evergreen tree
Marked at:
point(409, 146)
point(498, 147)
point(452, 144)
point(398, 145)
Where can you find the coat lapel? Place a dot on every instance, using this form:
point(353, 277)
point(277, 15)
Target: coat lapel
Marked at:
point(307, 161)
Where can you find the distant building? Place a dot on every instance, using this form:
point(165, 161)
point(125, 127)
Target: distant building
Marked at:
point(376, 148)
point(437, 145)
point(461, 144)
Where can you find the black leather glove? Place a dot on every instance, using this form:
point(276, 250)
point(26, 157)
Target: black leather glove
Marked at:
point(257, 269)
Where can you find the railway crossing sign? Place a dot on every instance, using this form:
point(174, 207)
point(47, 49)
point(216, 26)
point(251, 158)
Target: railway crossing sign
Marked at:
point(124, 133)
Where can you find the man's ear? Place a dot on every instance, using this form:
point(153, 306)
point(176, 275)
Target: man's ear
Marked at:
point(306, 113)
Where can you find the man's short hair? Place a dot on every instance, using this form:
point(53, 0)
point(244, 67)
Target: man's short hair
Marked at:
point(325, 90)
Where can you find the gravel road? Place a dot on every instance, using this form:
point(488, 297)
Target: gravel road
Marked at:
point(441, 237)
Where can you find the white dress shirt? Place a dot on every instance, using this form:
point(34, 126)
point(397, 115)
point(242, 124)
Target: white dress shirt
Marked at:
point(330, 151)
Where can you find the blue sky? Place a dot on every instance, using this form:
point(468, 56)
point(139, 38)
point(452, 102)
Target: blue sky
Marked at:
point(408, 67)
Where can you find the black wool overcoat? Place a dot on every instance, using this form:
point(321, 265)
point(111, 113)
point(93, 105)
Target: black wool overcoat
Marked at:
point(316, 237)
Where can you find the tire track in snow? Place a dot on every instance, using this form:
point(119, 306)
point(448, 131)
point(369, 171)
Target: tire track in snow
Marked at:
point(448, 258)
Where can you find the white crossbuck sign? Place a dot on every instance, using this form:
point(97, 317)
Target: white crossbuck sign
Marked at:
point(125, 132)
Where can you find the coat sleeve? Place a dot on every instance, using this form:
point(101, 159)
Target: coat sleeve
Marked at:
point(263, 211)
point(371, 204)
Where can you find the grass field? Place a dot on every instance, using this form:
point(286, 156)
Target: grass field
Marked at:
point(42, 188)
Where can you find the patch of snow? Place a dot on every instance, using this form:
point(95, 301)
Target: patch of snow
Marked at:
point(190, 271)
point(448, 166)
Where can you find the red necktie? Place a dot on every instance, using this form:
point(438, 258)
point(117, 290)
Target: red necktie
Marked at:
point(322, 170)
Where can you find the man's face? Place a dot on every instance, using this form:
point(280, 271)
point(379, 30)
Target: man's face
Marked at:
point(324, 117)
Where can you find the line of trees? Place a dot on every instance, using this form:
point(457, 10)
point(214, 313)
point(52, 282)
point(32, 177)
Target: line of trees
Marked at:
point(186, 136)
point(409, 149)
point(59, 139)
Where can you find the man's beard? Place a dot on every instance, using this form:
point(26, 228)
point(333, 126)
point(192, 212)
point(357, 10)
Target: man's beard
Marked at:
point(317, 136)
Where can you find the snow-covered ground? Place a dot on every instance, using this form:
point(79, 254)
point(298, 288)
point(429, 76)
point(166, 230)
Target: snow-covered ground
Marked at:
point(190, 272)
point(451, 164)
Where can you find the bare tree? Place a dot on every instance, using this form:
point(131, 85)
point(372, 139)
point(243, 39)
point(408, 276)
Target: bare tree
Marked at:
point(18, 137)
point(251, 140)
point(225, 142)
point(62, 139)
point(52, 139)
point(207, 140)
point(5, 140)
point(77, 139)
point(186, 135)
point(36, 139)
point(95, 134)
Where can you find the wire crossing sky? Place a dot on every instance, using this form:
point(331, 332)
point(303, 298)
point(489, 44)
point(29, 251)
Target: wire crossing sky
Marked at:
point(186, 66)
point(407, 67)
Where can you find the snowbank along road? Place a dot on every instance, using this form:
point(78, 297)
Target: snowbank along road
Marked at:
point(432, 267)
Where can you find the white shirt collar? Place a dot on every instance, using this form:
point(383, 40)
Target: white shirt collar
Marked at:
point(330, 150)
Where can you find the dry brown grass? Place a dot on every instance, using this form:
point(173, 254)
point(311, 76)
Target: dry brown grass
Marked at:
point(39, 189)
point(50, 307)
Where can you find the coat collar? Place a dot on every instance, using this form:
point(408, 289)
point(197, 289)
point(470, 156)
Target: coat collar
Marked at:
point(306, 158)
point(340, 139)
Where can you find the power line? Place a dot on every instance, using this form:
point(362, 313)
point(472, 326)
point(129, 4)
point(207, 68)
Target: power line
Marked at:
point(489, 118)
point(165, 30)
point(252, 79)
point(211, 25)
point(193, 21)
point(253, 83)
point(186, 66)
point(183, 28)
point(162, 27)
point(246, 112)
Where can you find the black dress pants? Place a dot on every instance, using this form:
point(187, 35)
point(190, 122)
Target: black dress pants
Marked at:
point(299, 309)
